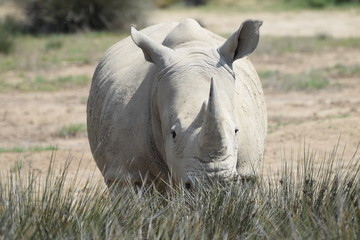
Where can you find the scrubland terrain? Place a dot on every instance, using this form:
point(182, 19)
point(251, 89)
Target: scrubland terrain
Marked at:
point(308, 61)
point(309, 64)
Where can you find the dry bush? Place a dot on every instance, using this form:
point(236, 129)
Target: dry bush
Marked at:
point(76, 15)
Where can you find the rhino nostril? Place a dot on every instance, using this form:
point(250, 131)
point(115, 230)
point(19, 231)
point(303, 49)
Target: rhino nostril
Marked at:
point(188, 186)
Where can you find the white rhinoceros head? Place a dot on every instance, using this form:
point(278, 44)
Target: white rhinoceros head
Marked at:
point(194, 118)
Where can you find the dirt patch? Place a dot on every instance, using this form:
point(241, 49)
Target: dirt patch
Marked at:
point(315, 118)
point(32, 121)
point(319, 122)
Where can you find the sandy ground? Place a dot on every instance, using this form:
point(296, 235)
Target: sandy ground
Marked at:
point(316, 119)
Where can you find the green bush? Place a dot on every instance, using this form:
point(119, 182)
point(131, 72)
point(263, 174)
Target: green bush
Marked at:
point(8, 28)
point(167, 3)
point(345, 1)
point(74, 15)
point(321, 3)
point(195, 2)
point(6, 40)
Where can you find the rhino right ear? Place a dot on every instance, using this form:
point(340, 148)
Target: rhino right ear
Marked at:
point(242, 42)
point(153, 52)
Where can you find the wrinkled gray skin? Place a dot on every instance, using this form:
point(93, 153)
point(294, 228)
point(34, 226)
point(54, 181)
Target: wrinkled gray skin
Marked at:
point(177, 100)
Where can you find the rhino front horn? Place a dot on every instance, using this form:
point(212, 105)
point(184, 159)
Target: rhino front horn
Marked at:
point(212, 133)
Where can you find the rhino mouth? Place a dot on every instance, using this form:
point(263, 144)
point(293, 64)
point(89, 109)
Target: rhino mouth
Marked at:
point(217, 171)
point(192, 181)
point(212, 160)
point(220, 168)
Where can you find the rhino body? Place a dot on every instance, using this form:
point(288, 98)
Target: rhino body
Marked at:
point(178, 101)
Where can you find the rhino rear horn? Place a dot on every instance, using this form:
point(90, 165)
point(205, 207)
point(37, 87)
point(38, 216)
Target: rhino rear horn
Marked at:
point(242, 42)
point(153, 52)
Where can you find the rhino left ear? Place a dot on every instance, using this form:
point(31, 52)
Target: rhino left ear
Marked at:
point(242, 42)
point(153, 52)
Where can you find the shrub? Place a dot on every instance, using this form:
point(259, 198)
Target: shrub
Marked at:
point(321, 3)
point(8, 28)
point(195, 2)
point(74, 15)
point(167, 3)
point(6, 41)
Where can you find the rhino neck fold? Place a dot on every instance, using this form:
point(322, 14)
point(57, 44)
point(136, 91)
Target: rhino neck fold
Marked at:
point(157, 155)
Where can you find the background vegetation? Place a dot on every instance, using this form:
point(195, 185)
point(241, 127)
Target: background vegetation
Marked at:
point(293, 3)
point(67, 16)
point(321, 3)
point(74, 15)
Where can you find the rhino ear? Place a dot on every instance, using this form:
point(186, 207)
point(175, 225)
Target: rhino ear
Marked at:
point(242, 42)
point(153, 52)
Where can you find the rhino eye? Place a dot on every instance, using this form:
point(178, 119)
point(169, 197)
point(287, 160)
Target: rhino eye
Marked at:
point(236, 130)
point(173, 134)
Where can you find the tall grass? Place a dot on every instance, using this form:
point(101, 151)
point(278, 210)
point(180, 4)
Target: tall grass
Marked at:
point(304, 204)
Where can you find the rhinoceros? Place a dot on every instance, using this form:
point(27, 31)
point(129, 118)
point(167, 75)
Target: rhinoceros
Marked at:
point(178, 102)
